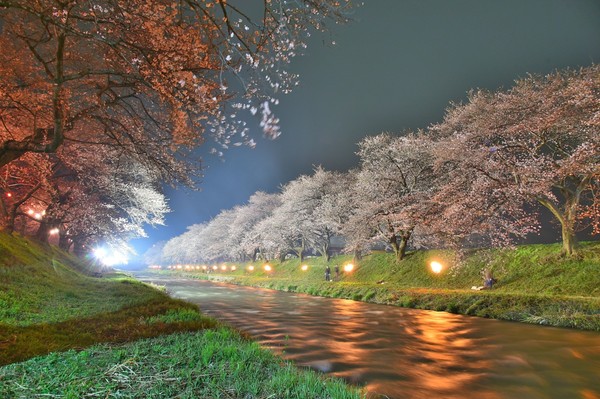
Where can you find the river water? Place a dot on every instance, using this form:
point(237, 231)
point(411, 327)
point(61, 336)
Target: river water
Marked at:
point(405, 353)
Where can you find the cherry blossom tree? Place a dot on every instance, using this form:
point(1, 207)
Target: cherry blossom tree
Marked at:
point(538, 142)
point(247, 217)
point(393, 186)
point(149, 77)
point(318, 202)
point(20, 184)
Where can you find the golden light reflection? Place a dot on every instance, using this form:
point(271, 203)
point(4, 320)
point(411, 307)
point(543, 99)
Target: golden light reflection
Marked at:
point(233, 268)
point(267, 268)
point(304, 268)
point(348, 267)
point(251, 268)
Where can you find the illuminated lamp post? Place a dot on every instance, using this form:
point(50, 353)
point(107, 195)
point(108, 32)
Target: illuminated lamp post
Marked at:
point(268, 269)
point(436, 267)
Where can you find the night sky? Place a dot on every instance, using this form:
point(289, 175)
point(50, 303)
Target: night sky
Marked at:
point(396, 67)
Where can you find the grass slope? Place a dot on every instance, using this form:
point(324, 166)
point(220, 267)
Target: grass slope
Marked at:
point(122, 338)
point(535, 284)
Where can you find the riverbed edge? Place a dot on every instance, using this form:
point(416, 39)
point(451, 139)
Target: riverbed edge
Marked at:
point(581, 313)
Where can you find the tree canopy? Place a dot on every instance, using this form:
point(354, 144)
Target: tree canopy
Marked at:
point(473, 179)
point(138, 85)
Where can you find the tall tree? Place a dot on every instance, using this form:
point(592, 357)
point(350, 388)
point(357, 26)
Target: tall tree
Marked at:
point(394, 183)
point(538, 142)
point(144, 76)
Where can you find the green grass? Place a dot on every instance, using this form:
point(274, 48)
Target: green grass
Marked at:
point(210, 364)
point(66, 334)
point(535, 284)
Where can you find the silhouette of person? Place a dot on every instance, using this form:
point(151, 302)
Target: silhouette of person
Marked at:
point(327, 273)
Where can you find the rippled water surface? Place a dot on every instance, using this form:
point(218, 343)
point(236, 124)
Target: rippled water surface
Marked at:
point(406, 353)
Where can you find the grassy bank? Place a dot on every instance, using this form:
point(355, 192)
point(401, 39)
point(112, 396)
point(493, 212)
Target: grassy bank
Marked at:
point(113, 336)
point(535, 284)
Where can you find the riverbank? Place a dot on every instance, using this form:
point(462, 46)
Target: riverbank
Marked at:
point(534, 283)
point(67, 334)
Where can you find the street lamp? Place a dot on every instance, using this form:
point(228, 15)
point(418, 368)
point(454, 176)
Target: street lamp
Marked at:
point(436, 267)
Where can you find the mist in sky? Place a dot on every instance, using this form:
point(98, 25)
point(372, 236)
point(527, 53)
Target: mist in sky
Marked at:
point(397, 66)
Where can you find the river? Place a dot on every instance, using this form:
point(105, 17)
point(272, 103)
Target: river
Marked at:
point(405, 353)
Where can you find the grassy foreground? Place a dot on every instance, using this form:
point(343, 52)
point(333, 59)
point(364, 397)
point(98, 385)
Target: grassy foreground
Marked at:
point(535, 284)
point(114, 337)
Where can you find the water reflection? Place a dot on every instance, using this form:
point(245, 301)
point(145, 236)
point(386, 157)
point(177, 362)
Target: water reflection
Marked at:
point(405, 353)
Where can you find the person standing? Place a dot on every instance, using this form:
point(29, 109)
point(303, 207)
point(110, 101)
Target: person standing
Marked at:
point(337, 272)
point(327, 273)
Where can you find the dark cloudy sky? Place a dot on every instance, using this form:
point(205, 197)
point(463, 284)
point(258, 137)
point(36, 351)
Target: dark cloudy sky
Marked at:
point(396, 67)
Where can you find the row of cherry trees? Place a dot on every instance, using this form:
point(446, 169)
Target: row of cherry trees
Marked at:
point(102, 102)
point(475, 178)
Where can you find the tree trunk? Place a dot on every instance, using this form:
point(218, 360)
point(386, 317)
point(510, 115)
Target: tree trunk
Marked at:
point(63, 242)
point(403, 244)
point(567, 221)
point(43, 232)
point(324, 252)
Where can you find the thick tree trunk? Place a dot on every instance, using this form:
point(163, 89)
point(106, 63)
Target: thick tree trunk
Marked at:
point(566, 219)
point(399, 244)
point(43, 232)
point(63, 242)
point(403, 244)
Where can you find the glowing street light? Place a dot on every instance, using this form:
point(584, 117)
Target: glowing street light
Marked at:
point(251, 268)
point(233, 268)
point(267, 268)
point(436, 267)
point(215, 267)
point(304, 268)
point(53, 231)
point(348, 267)
point(224, 267)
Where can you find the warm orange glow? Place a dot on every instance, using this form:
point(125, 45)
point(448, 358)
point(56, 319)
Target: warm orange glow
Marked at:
point(53, 231)
point(251, 268)
point(30, 212)
point(436, 267)
point(233, 268)
point(267, 268)
point(9, 195)
point(203, 267)
point(348, 267)
point(224, 267)
point(304, 268)
point(215, 267)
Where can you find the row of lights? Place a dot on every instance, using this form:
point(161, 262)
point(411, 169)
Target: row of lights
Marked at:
point(268, 268)
point(436, 267)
